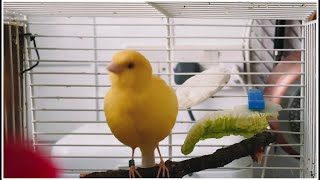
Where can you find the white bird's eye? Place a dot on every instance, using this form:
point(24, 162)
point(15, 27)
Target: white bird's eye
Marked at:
point(130, 65)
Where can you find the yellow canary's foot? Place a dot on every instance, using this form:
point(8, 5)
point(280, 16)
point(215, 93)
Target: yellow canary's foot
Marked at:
point(132, 169)
point(258, 155)
point(164, 169)
point(132, 172)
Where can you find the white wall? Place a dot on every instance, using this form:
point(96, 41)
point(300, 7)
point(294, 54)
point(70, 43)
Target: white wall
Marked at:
point(106, 55)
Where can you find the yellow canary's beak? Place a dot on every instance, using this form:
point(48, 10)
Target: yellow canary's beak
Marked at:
point(115, 68)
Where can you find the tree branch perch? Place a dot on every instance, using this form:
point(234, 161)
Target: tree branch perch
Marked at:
point(220, 158)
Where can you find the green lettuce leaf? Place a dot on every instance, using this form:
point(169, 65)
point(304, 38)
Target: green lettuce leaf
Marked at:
point(239, 121)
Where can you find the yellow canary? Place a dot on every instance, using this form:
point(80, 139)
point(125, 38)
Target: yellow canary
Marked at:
point(140, 108)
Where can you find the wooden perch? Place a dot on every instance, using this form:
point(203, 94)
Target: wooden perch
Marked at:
point(217, 159)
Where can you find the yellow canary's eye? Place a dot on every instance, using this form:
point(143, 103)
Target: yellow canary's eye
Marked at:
point(130, 65)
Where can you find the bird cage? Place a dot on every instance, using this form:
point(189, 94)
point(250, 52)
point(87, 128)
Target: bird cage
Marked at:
point(67, 45)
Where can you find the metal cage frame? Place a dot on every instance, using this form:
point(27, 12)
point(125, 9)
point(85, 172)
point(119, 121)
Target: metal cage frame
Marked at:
point(18, 13)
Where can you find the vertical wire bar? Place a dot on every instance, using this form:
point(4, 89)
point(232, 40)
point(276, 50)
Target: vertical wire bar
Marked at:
point(316, 100)
point(313, 135)
point(34, 126)
point(5, 114)
point(315, 108)
point(308, 94)
point(302, 93)
point(309, 54)
point(13, 120)
point(247, 66)
point(5, 123)
point(310, 133)
point(96, 80)
point(169, 58)
point(26, 100)
point(19, 85)
point(265, 162)
point(309, 39)
point(306, 156)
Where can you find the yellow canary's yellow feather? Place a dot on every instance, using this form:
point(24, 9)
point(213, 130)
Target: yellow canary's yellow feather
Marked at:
point(140, 108)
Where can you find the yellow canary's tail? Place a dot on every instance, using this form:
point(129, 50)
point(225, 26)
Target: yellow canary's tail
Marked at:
point(148, 159)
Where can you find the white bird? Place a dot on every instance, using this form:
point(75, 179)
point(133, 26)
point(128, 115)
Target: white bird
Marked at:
point(202, 86)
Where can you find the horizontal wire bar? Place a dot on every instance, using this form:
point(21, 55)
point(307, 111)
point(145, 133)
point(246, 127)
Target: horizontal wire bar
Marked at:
point(161, 145)
point(231, 73)
point(65, 11)
point(101, 14)
point(103, 122)
point(240, 10)
point(246, 4)
point(238, 167)
point(233, 11)
point(47, 109)
point(219, 3)
point(281, 10)
point(115, 13)
point(240, 13)
point(215, 96)
point(184, 12)
point(199, 14)
point(95, 14)
point(237, 12)
point(138, 157)
point(172, 61)
point(248, 7)
point(92, 9)
point(115, 157)
point(167, 37)
point(126, 24)
point(284, 132)
point(72, 9)
point(282, 145)
point(218, 85)
point(76, 7)
point(160, 49)
point(224, 16)
point(238, 16)
point(301, 4)
point(235, 15)
point(168, 8)
point(108, 15)
point(143, 15)
point(282, 155)
point(108, 134)
point(121, 145)
point(65, 3)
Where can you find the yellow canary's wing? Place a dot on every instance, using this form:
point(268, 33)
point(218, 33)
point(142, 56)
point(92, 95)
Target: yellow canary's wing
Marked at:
point(117, 107)
point(158, 111)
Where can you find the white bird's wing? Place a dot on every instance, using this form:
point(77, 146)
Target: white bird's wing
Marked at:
point(202, 86)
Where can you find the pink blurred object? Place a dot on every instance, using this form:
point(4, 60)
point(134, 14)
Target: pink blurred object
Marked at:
point(288, 79)
point(283, 78)
point(20, 161)
point(282, 90)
